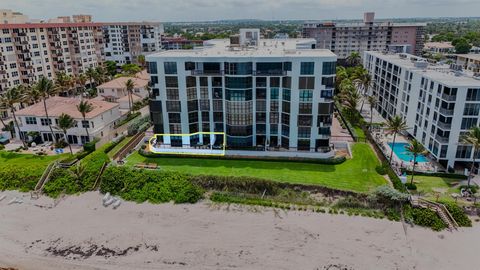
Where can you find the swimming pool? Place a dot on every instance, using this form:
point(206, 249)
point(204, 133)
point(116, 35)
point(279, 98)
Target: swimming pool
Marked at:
point(401, 153)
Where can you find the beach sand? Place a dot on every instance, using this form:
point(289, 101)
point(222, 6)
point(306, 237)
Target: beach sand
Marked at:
point(79, 233)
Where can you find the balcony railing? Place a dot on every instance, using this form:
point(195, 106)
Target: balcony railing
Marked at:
point(269, 73)
point(207, 72)
point(441, 139)
point(449, 97)
point(443, 125)
point(446, 111)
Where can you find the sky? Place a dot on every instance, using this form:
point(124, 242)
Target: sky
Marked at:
point(204, 10)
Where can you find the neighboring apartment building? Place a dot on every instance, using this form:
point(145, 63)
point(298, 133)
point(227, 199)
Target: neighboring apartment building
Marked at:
point(180, 43)
point(100, 121)
point(9, 16)
point(31, 50)
point(259, 92)
point(124, 42)
point(439, 47)
point(469, 61)
point(438, 102)
point(345, 38)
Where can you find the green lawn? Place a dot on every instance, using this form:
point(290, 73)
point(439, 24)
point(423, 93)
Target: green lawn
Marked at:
point(357, 174)
point(118, 147)
point(22, 171)
point(429, 185)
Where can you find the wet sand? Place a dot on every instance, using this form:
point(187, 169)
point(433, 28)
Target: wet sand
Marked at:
point(79, 233)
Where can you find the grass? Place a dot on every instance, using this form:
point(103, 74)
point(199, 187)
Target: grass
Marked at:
point(26, 160)
point(357, 174)
point(118, 147)
point(427, 186)
point(359, 131)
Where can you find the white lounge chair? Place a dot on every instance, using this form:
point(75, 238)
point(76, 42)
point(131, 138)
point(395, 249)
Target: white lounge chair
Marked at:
point(117, 203)
point(106, 197)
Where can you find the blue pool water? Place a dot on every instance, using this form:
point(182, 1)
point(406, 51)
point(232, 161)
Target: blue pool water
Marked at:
point(403, 154)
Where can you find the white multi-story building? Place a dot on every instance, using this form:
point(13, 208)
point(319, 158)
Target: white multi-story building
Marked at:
point(100, 121)
point(124, 42)
point(261, 92)
point(369, 35)
point(438, 102)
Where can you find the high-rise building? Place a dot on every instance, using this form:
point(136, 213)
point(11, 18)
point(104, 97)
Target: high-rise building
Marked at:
point(345, 38)
point(31, 50)
point(124, 42)
point(439, 102)
point(259, 92)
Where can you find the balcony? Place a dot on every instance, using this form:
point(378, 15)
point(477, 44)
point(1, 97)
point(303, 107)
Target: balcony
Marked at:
point(443, 125)
point(269, 73)
point(446, 111)
point(441, 139)
point(449, 97)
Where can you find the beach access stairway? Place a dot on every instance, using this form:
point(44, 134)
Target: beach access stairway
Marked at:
point(439, 208)
point(96, 186)
point(44, 179)
point(134, 141)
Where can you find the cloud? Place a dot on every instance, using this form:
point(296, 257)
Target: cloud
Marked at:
point(194, 10)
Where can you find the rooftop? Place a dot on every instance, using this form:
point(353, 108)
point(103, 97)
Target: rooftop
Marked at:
point(359, 24)
point(266, 48)
point(475, 57)
point(441, 45)
point(58, 105)
point(141, 79)
point(437, 72)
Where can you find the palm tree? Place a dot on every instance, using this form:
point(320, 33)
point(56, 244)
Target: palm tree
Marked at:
point(9, 99)
point(91, 74)
point(101, 75)
point(64, 82)
point(341, 75)
point(372, 101)
point(66, 122)
point(130, 85)
point(32, 95)
point(363, 80)
point(84, 107)
point(353, 59)
point(81, 80)
point(130, 69)
point(394, 126)
point(141, 61)
point(473, 138)
point(46, 89)
point(416, 149)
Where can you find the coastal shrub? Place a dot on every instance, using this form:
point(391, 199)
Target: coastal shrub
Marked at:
point(62, 181)
point(350, 202)
point(23, 179)
point(146, 185)
point(411, 186)
point(472, 188)
point(236, 184)
point(90, 146)
point(392, 214)
point(458, 214)
point(93, 164)
point(396, 182)
point(387, 194)
point(110, 145)
point(381, 169)
point(127, 119)
point(424, 217)
point(438, 174)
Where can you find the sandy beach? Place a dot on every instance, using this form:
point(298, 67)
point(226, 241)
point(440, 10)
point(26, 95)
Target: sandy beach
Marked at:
point(79, 233)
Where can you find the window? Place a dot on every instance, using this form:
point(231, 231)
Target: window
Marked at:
point(304, 132)
point(172, 94)
point(274, 93)
point(152, 68)
point(306, 83)
point(307, 68)
point(306, 95)
point(468, 123)
point(45, 121)
point(85, 124)
point(286, 94)
point(171, 81)
point(31, 120)
point(329, 68)
point(471, 109)
point(305, 108)
point(473, 94)
point(170, 67)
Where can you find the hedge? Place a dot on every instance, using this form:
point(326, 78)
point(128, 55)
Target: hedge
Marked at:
point(424, 217)
point(137, 125)
point(148, 185)
point(128, 119)
point(439, 174)
point(23, 179)
point(328, 161)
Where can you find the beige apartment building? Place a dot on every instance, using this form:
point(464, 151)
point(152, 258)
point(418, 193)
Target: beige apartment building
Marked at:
point(369, 35)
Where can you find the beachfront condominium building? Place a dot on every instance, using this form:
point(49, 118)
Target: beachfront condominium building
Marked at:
point(275, 93)
point(30, 50)
point(346, 38)
point(100, 122)
point(124, 42)
point(439, 102)
point(469, 61)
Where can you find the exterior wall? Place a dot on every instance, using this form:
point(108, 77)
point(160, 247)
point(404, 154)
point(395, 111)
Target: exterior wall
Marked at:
point(273, 118)
point(433, 109)
point(124, 42)
point(405, 35)
point(469, 63)
point(100, 126)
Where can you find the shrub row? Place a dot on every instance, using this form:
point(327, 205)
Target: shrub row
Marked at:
point(128, 119)
point(329, 161)
point(138, 125)
point(110, 145)
point(439, 174)
point(23, 179)
point(146, 185)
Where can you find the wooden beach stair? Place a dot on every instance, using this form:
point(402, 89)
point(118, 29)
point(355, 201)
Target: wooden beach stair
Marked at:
point(440, 209)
